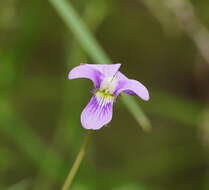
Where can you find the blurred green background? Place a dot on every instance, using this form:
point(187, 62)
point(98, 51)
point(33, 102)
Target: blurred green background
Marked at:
point(40, 131)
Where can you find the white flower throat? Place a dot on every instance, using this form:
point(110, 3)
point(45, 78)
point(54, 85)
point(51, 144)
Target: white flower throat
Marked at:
point(105, 93)
point(108, 85)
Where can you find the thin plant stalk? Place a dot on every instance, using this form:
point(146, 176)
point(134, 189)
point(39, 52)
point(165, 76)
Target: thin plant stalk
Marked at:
point(78, 160)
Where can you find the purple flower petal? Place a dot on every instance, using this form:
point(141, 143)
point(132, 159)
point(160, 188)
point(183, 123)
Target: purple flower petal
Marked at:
point(132, 87)
point(106, 70)
point(86, 71)
point(97, 113)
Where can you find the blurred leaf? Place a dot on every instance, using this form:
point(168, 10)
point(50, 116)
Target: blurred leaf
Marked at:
point(80, 187)
point(25, 138)
point(177, 108)
point(7, 71)
point(6, 158)
point(131, 187)
point(23, 185)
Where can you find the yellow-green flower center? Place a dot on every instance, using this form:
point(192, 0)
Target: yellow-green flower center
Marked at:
point(104, 94)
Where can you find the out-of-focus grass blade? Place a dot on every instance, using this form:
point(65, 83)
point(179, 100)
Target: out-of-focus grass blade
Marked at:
point(162, 14)
point(79, 29)
point(91, 46)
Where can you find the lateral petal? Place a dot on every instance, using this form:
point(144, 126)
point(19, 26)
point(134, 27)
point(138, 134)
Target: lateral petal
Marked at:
point(132, 87)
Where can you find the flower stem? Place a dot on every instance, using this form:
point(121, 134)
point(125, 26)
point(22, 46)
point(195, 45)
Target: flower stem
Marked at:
point(77, 162)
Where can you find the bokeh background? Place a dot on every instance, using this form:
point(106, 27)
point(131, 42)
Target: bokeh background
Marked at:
point(164, 44)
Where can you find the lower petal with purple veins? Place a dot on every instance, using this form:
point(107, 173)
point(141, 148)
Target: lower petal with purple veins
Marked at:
point(98, 112)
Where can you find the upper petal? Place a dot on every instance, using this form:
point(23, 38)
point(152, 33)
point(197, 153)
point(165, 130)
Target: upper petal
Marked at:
point(86, 71)
point(107, 70)
point(97, 113)
point(132, 87)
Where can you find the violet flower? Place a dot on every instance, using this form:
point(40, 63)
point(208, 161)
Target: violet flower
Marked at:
point(109, 82)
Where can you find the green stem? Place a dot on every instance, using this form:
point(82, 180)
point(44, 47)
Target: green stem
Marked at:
point(77, 162)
